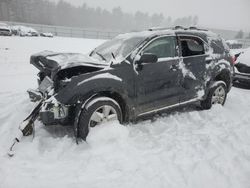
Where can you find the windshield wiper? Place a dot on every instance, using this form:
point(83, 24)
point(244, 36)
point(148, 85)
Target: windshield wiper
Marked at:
point(103, 58)
point(113, 55)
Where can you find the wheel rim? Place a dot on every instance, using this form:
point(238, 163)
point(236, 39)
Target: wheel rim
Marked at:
point(105, 113)
point(219, 95)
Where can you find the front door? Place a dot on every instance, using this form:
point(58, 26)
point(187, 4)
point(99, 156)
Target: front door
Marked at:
point(158, 84)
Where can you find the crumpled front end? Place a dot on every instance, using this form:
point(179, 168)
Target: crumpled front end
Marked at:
point(52, 112)
point(57, 70)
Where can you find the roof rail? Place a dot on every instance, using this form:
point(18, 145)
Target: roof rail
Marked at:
point(176, 28)
point(179, 27)
point(196, 28)
point(193, 28)
point(158, 28)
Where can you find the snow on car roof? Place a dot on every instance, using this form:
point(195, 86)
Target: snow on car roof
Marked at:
point(170, 31)
point(24, 28)
point(145, 34)
point(4, 25)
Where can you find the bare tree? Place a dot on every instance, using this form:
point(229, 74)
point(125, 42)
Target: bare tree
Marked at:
point(239, 35)
point(65, 14)
point(248, 37)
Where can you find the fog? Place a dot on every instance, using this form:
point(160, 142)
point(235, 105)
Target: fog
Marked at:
point(222, 14)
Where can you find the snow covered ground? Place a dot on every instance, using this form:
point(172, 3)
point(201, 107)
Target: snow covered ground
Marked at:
point(244, 57)
point(187, 148)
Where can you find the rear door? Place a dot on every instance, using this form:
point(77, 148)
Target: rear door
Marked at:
point(158, 84)
point(193, 66)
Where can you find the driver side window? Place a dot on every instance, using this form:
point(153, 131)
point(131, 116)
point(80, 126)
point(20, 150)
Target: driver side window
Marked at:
point(162, 47)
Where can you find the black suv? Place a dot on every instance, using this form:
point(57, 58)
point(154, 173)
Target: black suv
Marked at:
point(132, 75)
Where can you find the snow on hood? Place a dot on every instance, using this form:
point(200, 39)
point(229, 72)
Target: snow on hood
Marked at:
point(67, 60)
point(244, 57)
point(4, 26)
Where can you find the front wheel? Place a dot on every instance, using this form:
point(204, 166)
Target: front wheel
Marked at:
point(96, 112)
point(216, 95)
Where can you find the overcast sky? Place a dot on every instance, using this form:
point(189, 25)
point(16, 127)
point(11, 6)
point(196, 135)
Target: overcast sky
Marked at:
point(227, 14)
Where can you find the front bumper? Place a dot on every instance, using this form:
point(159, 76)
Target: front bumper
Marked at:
point(52, 112)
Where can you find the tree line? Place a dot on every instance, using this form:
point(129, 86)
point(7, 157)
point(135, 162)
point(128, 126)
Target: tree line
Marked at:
point(240, 35)
point(65, 14)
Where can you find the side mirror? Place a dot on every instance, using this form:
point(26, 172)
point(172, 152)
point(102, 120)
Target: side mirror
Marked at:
point(148, 58)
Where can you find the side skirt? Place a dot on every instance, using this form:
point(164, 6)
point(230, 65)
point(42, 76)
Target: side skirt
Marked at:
point(168, 107)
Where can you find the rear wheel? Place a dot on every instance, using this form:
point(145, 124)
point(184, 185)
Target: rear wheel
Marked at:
point(216, 95)
point(96, 112)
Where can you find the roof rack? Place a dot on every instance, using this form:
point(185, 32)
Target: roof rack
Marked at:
point(179, 27)
point(196, 28)
point(159, 28)
point(176, 28)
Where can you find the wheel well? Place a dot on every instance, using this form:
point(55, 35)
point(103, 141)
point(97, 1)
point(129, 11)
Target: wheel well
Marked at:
point(224, 76)
point(120, 100)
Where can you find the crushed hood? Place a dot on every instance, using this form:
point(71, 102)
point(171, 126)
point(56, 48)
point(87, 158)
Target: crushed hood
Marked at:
point(48, 61)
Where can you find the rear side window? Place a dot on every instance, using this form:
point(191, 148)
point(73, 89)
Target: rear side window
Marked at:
point(162, 47)
point(191, 46)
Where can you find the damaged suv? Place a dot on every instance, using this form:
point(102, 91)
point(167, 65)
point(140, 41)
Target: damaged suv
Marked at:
point(132, 75)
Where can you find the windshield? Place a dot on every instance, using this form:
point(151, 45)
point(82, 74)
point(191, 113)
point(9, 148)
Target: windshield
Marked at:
point(119, 47)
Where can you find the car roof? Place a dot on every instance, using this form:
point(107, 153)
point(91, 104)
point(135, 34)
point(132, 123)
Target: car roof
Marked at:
point(178, 30)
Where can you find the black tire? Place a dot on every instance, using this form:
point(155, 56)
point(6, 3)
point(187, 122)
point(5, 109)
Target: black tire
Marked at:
point(84, 114)
point(207, 103)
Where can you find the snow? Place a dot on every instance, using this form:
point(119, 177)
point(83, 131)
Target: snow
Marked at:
point(244, 57)
point(23, 29)
point(47, 34)
point(236, 51)
point(72, 59)
point(186, 148)
point(185, 71)
point(4, 26)
point(232, 42)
